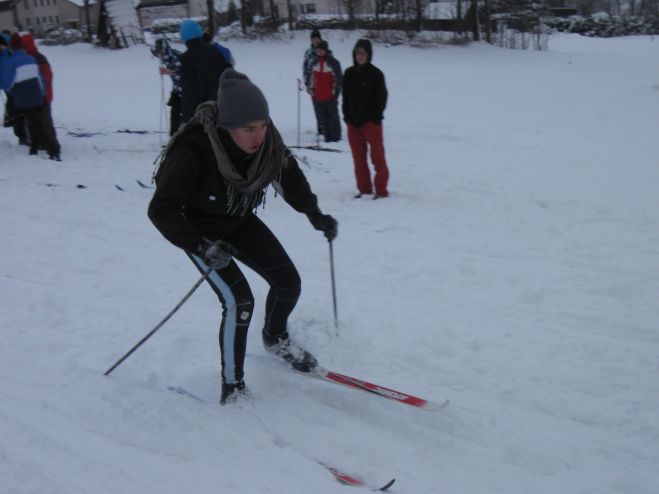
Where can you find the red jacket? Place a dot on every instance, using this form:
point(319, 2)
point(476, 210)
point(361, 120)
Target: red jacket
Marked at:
point(326, 79)
point(44, 67)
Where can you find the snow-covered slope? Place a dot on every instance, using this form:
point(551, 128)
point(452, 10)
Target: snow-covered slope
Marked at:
point(513, 271)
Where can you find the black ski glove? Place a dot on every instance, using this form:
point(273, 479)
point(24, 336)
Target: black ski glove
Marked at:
point(325, 223)
point(216, 255)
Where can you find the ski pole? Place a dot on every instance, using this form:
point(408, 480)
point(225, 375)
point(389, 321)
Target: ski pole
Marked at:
point(299, 90)
point(162, 102)
point(336, 317)
point(161, 323)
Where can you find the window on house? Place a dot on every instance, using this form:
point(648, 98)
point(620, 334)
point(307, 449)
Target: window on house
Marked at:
point(50, 18)
point(57, 19)
point(26, 4)
point(311, 8)
point(41, 2)
point(38, 21)
point(302, 10)
point(29, 22)
point(47, 2)
point(34, 3)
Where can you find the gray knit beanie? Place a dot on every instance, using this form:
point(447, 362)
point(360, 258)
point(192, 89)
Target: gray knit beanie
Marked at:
point(239, 101)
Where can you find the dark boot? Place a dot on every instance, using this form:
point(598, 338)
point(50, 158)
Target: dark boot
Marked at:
point(281, 345)
point(232, 392)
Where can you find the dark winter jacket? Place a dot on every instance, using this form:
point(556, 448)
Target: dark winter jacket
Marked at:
point(190, 201)
point(44, 66)
point(21, 78)
point(201, 68)
point(364, 91)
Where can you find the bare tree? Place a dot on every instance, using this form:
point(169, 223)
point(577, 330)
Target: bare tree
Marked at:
point(211, 16)
point(351, 10)
point(289, 6)
point(88, 21)
point(245, 15)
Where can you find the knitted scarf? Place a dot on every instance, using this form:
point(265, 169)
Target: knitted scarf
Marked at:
point(244, 193)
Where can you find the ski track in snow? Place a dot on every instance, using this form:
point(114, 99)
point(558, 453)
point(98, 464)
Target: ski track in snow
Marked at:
point(513, 271)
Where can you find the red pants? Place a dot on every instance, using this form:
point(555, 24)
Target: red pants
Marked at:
point(359, 139)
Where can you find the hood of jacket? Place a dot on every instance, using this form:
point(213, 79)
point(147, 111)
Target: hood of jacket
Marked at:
point(365, 45)
point(29, 45)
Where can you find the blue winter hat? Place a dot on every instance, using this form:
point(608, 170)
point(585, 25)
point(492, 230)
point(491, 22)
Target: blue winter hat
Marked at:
point(190, 30)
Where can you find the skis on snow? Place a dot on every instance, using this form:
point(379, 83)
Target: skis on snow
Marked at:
point(339, 476)
point(346, 479)
point(376, 389)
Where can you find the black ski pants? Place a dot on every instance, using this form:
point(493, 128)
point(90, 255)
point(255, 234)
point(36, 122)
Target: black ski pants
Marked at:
point(41, 136)
point(175, 112)
point(327, 113)
point(257, 248)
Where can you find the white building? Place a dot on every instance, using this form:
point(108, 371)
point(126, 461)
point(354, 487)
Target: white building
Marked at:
point(40, 15)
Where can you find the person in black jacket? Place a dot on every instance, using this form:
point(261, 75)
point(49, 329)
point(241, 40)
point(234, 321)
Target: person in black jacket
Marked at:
point(201, 68)
point(364, 101)
point(212, 176)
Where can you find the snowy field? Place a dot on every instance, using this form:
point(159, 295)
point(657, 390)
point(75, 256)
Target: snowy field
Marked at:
point(513, 271)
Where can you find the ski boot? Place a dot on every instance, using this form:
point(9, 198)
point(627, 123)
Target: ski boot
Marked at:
point(233, 392)
point(281, 345)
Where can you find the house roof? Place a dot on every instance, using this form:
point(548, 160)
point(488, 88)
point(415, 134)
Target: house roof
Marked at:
point(81, 3)
point(159, 3)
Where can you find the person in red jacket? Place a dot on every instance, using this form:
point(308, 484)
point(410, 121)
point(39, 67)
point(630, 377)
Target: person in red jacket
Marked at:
point(325, 88)
point(51, 143)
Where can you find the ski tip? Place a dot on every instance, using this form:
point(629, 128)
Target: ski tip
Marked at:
point(432, 406)
point(386, 486)
point(119, 187)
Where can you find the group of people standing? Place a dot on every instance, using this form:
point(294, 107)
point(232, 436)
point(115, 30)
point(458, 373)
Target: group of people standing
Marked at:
point(27, 79)
point(196, 73)
point(364, 100)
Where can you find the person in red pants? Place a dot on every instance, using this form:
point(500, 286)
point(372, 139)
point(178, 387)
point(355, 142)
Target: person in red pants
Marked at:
point(364, 101)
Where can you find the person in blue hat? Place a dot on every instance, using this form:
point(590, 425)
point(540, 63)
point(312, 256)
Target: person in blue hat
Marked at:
point(201, 68)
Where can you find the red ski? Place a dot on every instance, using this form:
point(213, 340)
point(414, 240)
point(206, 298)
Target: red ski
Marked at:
point(346, 479)
point(392, 394)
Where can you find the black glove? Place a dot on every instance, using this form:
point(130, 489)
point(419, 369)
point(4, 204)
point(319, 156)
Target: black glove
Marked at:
point(325, 223)
point(216, 255)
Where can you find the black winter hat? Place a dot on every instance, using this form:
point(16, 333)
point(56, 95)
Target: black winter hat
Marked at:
point(315, 34)
point(322, 46)
point(239, 101)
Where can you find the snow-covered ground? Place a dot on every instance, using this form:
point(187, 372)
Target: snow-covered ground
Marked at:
point(513, 271)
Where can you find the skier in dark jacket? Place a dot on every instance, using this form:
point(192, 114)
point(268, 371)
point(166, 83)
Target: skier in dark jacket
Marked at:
point(201, 68)
point(213, 174)
point(364, 101)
